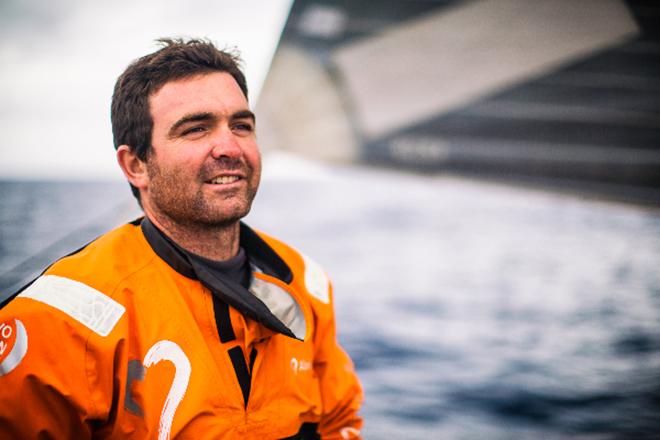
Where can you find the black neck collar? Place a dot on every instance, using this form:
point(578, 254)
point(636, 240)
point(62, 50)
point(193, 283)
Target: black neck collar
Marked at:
point(260, 255)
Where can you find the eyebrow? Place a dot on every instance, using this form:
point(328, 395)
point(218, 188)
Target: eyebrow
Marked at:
point(243, 114)
point(207, 116)
point(193, 117)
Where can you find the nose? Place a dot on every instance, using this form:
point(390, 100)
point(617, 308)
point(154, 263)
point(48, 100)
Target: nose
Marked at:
point(225, 144)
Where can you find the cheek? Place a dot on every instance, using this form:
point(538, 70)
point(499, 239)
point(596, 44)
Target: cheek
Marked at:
point(173, 176)
point(185, 165)
point(253, 157)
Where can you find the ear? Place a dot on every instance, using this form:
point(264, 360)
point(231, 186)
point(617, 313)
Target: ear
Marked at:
point(134, 169)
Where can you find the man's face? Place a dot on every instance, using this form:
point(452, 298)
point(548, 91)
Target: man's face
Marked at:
point(204, 166)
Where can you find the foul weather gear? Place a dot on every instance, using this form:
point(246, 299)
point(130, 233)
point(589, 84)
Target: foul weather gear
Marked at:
point(131, 338)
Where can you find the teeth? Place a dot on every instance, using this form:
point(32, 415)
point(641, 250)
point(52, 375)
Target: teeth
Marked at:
point(224, 179)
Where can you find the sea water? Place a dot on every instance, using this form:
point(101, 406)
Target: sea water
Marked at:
point(471, 310)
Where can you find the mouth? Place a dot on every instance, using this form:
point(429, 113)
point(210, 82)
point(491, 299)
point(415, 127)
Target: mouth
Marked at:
point(224, 180)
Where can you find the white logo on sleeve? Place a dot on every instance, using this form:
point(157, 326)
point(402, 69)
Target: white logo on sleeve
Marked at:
point(13, 345)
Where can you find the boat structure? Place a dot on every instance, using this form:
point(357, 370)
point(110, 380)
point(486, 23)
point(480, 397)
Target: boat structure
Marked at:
point(561, 94)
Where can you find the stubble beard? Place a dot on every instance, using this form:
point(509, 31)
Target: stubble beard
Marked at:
point(197, 212)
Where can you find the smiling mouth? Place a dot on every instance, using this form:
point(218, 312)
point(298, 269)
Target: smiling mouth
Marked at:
point(224, 180)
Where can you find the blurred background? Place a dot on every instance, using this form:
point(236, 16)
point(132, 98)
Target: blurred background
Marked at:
point(481, 180)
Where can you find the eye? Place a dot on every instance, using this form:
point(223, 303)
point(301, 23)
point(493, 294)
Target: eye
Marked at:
point(193, 130)
point(243, 127)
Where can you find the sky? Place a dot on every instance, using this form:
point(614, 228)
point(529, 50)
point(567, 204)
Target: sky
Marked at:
point(59, 61)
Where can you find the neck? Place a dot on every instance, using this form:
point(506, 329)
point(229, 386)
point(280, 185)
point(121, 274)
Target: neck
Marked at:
point(215, 242)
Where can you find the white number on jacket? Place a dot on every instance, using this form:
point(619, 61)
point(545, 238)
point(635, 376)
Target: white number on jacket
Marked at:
point(170, 351)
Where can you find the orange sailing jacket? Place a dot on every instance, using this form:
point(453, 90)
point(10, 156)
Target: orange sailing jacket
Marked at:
point(125, 340)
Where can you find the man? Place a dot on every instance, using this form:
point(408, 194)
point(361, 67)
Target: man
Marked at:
point(185, 323)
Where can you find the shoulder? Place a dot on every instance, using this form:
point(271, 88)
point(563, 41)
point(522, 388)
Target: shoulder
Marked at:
point(59, 334)
point(76, 292)
point(104, 262)
point(307, 273)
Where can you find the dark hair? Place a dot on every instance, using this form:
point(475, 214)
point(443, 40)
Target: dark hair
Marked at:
point(177, 59)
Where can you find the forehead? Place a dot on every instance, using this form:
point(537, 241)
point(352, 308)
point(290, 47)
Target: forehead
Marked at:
point(216, 92)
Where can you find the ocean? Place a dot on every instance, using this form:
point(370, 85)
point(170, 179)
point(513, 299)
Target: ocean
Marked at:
point(472, 310)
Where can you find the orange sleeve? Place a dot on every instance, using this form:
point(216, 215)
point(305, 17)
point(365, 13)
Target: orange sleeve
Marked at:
point(44, 391)
point(340, 388)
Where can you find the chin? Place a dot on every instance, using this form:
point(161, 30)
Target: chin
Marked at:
point(225, 218)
